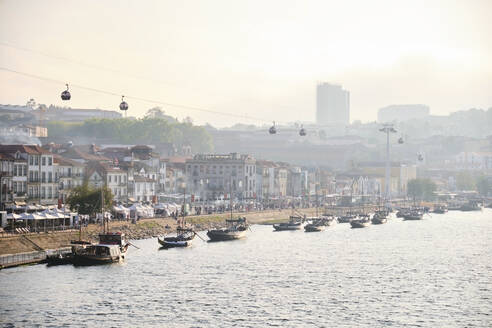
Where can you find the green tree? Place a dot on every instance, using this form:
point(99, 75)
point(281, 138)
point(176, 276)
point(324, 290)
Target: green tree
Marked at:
point(421, 189)
point(150, 129)
point(87, 200)
point(483, 185)
point(465, 181)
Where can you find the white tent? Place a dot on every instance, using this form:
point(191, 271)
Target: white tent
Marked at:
point(13, 216)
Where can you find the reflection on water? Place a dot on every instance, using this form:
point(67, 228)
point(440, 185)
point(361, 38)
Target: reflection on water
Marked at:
point(435, 272)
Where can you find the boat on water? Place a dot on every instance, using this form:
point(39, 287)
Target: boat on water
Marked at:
point(402, 212)
point(295, 223)
point(314, 227)
point(316, 224)
point(347, 217)
point(380, 217)
point(112, 247)
point(184, 238)
point(414, 214)
point(471, 206)
point(440, 209)
point(234, 229)
point(362, 221)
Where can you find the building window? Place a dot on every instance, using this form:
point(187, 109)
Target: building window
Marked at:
point(36, 160)
point(50, 177)
point(43, 161)
point(43, 177)
point(50, 161)
point(31, 160)
point(109, 178)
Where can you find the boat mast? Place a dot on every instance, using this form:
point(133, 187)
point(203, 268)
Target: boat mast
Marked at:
point(184, 206)
point(102, 209)
point(230, 196)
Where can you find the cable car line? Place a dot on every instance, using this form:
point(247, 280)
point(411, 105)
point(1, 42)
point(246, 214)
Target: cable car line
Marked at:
point(153, 101)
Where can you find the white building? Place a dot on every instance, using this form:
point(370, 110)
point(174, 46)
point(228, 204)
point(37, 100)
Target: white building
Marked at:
point(145, 188)
point(212, 177)
point(332, 104)
point(69, 174)
point(41, 184)
point(114, 178)
point(474, 160)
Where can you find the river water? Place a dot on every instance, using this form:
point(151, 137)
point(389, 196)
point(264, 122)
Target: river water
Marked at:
point(431, 273)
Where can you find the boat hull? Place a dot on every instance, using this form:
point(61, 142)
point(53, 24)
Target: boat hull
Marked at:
point(314, 228)
point(288, 227)
point(413, 217)
point(223, 235)
point(174, 243)
point(359, 224)
point(96, 260)
point(379, 220)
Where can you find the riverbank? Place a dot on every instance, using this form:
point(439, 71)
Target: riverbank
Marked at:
point(144, 228)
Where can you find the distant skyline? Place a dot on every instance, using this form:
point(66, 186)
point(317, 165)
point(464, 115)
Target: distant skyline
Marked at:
point(257, 58)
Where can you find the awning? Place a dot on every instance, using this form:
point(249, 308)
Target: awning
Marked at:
point(20, 203)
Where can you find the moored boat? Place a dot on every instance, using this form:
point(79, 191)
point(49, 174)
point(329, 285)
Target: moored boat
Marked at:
point(317, 224)
point(295, 223)
point(235, 229)
point(380, 216)
point(184, 238)
point(471, 206)
point(347, 217)
point(111, 248)
point(312, 227)
point(360, 222)
point(440, 209)
point(414, 214)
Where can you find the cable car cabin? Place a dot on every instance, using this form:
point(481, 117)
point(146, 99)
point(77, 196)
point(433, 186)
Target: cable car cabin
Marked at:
point(302, 132)
point(116, 238)
point(400, 141)
point(272, 129)
point(123, 104)
point(65, 95)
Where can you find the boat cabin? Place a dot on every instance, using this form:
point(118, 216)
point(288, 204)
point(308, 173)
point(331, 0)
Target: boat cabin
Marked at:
point(115, 238)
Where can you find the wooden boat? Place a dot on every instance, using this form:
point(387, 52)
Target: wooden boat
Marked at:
point(440, 209)
point(402, 212)
point(316, 224)
point(235, 229)
point(380, 217)
point(184, 238)
point(346, 218)
point(470, 206)
point(313, 227)
point(295, 223)
point(414, 214)
point(111, 248)
point(328, 220)
point(360, 222)
point(59, 259)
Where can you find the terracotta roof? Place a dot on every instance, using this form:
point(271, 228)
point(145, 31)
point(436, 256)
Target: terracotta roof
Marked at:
point(6, 157)
point(29, 149)
point(65, 161)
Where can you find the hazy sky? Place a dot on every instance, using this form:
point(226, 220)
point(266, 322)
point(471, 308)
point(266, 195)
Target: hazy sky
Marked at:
point(260, 58)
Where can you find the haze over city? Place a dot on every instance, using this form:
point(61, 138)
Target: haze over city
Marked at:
point(262, 59)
